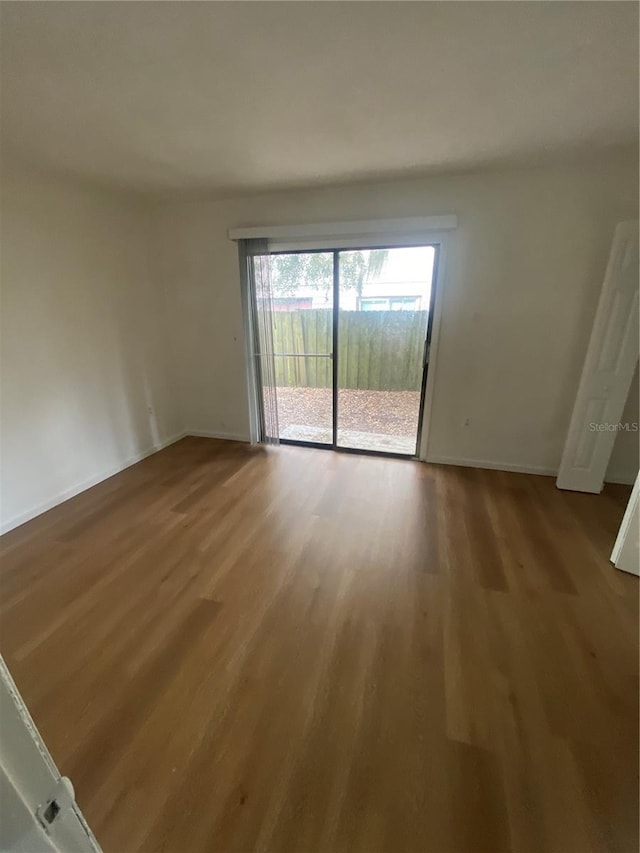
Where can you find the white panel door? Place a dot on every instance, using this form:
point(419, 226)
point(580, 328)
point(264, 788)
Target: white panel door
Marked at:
point(38, 812)
point(626, 551)
point(608, 370)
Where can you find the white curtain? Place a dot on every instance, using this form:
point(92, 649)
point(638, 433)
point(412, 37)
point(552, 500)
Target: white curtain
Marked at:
point(260, 302)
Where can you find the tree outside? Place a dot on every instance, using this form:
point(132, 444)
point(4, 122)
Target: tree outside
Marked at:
point(314, 270)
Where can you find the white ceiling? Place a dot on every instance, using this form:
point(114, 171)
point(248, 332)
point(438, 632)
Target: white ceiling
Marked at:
point(232, 96)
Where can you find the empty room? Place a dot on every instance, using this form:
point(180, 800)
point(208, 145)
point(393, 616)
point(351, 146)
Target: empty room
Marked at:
point(319, 427)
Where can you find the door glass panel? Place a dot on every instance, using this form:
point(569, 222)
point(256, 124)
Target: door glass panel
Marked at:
point(302, 287)
point(384, 299)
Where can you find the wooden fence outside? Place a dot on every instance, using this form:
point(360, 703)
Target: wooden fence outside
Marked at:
point(377, 350)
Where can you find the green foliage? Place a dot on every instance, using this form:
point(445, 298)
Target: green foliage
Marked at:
point(314, 270)
point(289, 273)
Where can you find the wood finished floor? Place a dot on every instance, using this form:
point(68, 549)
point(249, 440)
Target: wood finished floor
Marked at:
point(231, 649)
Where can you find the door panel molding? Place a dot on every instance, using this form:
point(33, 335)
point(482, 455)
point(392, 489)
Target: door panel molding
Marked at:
point(609, 366)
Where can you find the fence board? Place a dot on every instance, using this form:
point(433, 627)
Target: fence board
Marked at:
point(378, 350)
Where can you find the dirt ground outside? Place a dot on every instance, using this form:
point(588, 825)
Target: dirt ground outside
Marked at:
point(391, 416)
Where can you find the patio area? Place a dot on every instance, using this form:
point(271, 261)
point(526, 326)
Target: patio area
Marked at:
point(386, 421)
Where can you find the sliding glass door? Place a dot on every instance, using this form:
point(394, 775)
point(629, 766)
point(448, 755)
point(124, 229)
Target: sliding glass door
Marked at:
point(303, 316)
point(350, 336)
point(384, 305)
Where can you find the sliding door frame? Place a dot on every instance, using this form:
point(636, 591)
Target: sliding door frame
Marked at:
point(436, 246)
point(436, 242)
point(317, 444)
point(336, 332)
point(428, 343)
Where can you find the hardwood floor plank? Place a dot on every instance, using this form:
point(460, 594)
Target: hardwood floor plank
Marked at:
point(90, 763)
point(246, 649)
point(479, 820)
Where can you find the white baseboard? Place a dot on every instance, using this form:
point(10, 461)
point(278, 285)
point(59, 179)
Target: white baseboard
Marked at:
point(225, 436)
point(72, 491)
point(493, 466)
point(621, 479)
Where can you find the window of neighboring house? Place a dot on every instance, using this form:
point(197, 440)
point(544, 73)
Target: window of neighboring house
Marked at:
point(286, 303)
point(404, 303)
point(374, 304)
point(390, 303)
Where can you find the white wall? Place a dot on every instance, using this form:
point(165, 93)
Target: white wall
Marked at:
point(83, 355)
point(523, 282)
point(112, 305)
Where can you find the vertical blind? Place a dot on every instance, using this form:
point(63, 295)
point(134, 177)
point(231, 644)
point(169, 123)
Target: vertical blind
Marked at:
point(256, 255)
